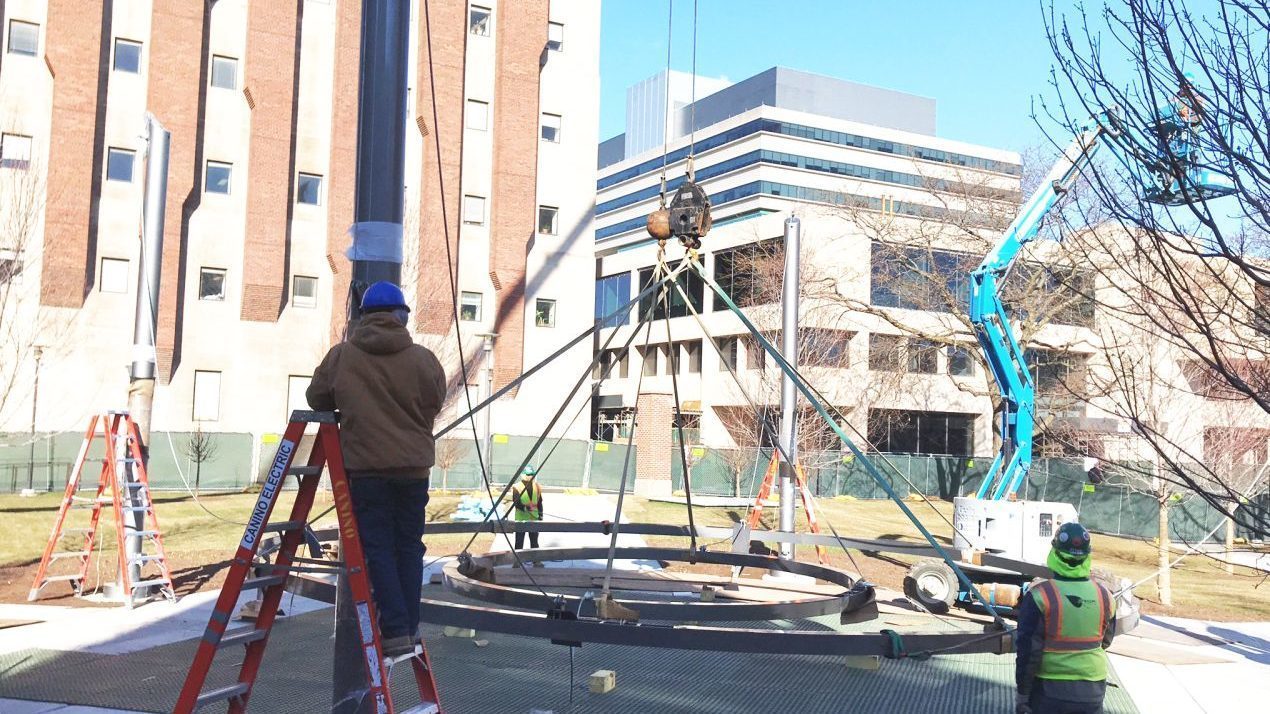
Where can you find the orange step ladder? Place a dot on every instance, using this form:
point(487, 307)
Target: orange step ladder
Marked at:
point(124, 486)
point(325, 454)
point(809, 507)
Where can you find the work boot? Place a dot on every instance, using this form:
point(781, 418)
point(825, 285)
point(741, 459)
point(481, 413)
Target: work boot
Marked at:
point(395, 647)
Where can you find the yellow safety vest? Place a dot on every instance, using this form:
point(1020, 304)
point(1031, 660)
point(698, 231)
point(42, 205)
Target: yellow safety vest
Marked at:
point(1076, 614)
point(528, 502)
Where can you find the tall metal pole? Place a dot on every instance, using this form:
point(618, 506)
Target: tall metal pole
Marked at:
point(376, 252)
point(487, 430)
point(789, 397)
point(141, 374)
point(35, 404)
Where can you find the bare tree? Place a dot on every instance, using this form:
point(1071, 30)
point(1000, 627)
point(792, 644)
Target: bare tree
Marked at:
point(22, 201)
point(200, 448)
point(449, 452)
point(1197, 275)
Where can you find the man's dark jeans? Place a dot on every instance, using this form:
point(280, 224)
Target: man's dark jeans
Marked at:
point(390, 515)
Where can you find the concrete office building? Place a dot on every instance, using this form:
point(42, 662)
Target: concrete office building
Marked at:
point(844, 158)
point(261, 102)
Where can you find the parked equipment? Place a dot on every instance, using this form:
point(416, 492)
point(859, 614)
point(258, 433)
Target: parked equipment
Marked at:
point(124, 486)
point(271, 578)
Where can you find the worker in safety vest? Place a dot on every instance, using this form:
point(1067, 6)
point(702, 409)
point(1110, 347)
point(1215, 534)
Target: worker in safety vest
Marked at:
point(1065, 625)
point(527, 503)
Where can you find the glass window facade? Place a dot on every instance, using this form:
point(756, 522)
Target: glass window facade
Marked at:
point(224, 72)
point(612, 292)
point(119, 164)
point(127, 56)
point(308, 190)
point(961, 362)
point(915, 432)
point(24, 38)
point(808, 132)
point(884, 353)
point(917, 278)
point(218, 177)
point(739, 271)
point(673, 305)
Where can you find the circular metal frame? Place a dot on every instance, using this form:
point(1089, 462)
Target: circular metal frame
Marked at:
point(665, 610)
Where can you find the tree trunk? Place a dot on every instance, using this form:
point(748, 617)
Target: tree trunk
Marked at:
point(445, 480)
point(198, 472)
point(1164, 580)
point(1230, 545)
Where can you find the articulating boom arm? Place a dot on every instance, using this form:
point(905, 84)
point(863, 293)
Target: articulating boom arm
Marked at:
point(1175, 135)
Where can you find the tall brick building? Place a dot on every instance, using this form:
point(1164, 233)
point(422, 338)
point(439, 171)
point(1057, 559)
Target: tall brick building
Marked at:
point(261, 101)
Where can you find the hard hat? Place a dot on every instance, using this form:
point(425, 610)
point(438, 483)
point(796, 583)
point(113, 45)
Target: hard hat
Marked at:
point(529, 470)
point(1072, 539)
point(383, 296)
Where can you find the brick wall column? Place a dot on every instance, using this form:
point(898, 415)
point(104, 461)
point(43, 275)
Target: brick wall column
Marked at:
point(77, 52)
point(343, 171)
point(654, 414)
point(176, 95)
point(442, 52)
point(522, 36)
point(273, 63)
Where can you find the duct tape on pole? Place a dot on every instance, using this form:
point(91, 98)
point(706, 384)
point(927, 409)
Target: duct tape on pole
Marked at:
point(789, 397)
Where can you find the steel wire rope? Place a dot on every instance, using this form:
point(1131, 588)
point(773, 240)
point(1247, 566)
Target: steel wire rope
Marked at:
point(658, 272)
point(817, 402)
point(450, 270)
point(665, 148)
point(692, 108)
point(577, 385)
point(672, 352)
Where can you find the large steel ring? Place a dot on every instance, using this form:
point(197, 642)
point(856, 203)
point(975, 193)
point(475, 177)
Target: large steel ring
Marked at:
point(798, 607)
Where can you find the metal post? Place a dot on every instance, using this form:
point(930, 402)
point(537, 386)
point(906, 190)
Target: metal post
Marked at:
point(35, 402)
point(376, 252)
point(141, 374)
point(789, 397)
point(487, 430)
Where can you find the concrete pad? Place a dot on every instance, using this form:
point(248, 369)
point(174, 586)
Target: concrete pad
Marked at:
point(23, 706)
point(120, 630)
point(1162, 653)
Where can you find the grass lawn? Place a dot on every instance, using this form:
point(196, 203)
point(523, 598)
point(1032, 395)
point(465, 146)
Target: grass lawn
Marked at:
point(207, 534)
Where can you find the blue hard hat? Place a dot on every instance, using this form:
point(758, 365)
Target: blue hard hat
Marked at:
point(383, 296)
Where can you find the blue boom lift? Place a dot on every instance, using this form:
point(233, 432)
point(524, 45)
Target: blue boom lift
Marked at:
point(998, 535)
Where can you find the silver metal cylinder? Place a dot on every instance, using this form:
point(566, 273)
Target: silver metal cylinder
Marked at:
point(789, 397)
point(145, 324)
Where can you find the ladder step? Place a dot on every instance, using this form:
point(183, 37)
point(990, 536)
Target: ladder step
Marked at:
point(151, 583)
point(135, 484)
point(143, 534)
point(144, 558)
point(69, 554)
point(134, 509)
point(266, 581)
point(304, 470)
point(84, 531)
point(60, 578)
point(216, 695)
point(282, 526)
point(245, 636)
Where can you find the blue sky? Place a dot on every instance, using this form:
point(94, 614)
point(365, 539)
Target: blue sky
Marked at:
point(983, 61)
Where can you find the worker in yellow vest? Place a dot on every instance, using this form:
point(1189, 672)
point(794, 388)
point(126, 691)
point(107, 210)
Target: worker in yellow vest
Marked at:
point(527, 503)
point(1065, 626)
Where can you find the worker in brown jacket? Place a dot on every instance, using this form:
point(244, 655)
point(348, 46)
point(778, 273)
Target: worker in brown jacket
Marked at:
point(388, 391)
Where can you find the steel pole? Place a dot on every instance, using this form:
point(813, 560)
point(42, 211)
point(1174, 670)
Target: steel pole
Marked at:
point(141, 374)
point(376, 251)
point(487, 429)
point(789, 397)
point(35, 404)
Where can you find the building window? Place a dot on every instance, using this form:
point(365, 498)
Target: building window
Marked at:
point(550, 128)
point(612, 364)
point(727, 352)
point(10, 267)
point(308, 190)
point(127, 56)
point(960, 362)
point(1057, 373)
point(478, 20)
point(218, 175)
point(691, 357)
point(920, 278)
point(648, 360)
point(545, 312)
point(119, 164)
point(740, 273)
point(206, 396)
point(211, 284)
point(755, 355)
point(914, 432)
point(224, 72)
point(114, 276)
point(691, 284)
point(884, 353)
point(24, 38)
point(555, 36)
point(923, 357)
point(470, 307)
point(548, 217)
point(611, 293)
point(819, 347)
point(304, 291)
point(474, 210)
point(297, 385)
point(15, 151)
point(477, 115)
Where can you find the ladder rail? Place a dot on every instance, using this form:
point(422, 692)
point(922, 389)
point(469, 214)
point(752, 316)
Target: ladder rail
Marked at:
point(72, 485)
point(90, 538)
point(109, 471)
point(134, 449)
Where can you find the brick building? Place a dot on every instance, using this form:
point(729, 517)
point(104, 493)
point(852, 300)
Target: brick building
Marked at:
point(261, 102)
